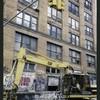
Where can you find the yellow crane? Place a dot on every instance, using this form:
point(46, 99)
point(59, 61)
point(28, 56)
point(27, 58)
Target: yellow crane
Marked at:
point(70, 90)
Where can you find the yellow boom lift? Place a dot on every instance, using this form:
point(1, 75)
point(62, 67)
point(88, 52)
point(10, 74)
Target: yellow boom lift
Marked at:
point(81, 90)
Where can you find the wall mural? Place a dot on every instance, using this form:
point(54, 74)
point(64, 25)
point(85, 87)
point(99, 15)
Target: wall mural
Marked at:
point(27, 82)
point(40, 83)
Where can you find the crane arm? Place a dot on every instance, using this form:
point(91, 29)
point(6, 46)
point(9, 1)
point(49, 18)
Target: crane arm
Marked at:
point(42, 60)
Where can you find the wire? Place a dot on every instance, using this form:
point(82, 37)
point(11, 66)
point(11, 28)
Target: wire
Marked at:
point(18, 13)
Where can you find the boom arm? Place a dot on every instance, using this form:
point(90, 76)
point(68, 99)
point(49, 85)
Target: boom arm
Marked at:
point(34, 57)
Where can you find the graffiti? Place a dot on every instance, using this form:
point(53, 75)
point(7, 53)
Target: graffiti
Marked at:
point(8, 81)
point(40, 83)
point(27, 82)
point(43, 96)
point(53, 81)
point(49, 96)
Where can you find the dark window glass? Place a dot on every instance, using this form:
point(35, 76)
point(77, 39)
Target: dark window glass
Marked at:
point(54, 51)
point(52, 70)
point(89, 45)
point(73, 9)
point(87, 4)
point(29, 67)
point(26, 2)
point(74, 56)
point(88, 17)
point(92, 77)
point(90, 61)
point(73, 24)
point(74, 39)
point(89, 31)
point(54, 31)
point(25, 41)
point(26, 20)
point(54, 13)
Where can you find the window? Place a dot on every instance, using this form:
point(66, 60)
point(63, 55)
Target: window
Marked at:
point(74, 56)
point(54, 51)
point(26, 20)
point(53, 13)
point(73, 24)
point(88, 31)
point(25, 41)
point(74, 39)
point(87, 4)
point(54, 31)
point(90, 61)
point(89, 45)
point(52, 70)
point(88, 17)
point(26, 2)
point(73, 9)
point(92, 77)
point(29, 67)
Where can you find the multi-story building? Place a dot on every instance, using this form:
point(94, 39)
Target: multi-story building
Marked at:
point(68, 35)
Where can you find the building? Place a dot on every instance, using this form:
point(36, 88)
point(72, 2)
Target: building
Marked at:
point(68, 35)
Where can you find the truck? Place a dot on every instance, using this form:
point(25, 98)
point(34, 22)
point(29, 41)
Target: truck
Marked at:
point(22, 84)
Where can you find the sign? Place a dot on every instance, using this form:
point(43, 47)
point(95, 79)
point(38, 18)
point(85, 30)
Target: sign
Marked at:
point(53, 81)
point(27, 82)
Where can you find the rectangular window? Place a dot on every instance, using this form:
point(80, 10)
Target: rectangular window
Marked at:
point(54, 51)
point(26, 20)
point(52, 70)
point(92, 77)
point(74, 39)
point(89, 45)
point(87, 4)
point(54, 13)
point(74, 56)
point(54, 31)
point(88, 17)
point(29, 67)
point(90, 61)
point(88, 31)
point(25, 41)
point(73, 24)
point(26, 2)
point(73, 8)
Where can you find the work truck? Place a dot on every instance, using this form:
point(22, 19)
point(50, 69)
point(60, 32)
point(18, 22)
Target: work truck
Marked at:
point(21, 84)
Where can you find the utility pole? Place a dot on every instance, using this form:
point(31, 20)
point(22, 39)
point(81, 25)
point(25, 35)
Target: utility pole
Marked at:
point(19, 13)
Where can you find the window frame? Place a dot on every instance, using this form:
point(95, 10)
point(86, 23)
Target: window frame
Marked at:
point(30, 22)
point(54, 52)
point(90, 63)
point(51, 32)
point(88, 17)
point(88, 5)
point(56, 16)
point(26, 2)
point(75, 41)
point(91, 46)
point(57, 71)
point(27, 65)
point(71, 26)
point(88, 31)
point(75, 57)
point(92, 78)
point(73, 10)
point(21, 42)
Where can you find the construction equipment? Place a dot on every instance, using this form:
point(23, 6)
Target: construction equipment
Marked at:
point(74, 85)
